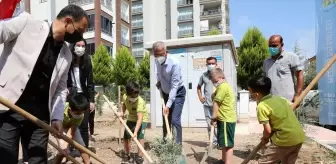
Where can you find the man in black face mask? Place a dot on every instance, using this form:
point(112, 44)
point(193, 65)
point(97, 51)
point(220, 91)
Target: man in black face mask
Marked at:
point(34, 65)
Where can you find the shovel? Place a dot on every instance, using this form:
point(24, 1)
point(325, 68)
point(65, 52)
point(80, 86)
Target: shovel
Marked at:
point(206, 154)
point(129, 131)
point(45, 126)
point(169, 135)
point(297, 101)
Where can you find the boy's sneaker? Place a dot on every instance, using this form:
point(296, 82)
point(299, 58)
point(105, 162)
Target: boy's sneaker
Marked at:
point(127, 159)
point(139, 160)
point(219, 162)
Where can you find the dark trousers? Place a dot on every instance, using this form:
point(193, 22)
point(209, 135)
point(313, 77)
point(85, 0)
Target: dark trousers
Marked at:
point(84, 128)
point(91, 122)
point(175, 112)
point(34, 139)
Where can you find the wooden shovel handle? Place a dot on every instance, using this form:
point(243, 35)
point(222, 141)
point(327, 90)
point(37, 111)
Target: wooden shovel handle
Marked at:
point(45, 126)
point(297, 101)
point(129, 131)
point(165, 116)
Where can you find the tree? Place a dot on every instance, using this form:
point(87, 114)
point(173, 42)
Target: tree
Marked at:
point(297, 50)
point(124, 69)
point(309, 74)
point(252, 52)
point(143, 69)
point(102, 66)
point(214, 31)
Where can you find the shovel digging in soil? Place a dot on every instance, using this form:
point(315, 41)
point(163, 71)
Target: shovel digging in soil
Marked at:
point(129, 131)
point(297, 102)
point(206, 154)
point(182, 158)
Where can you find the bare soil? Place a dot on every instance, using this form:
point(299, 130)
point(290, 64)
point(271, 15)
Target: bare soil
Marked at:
point(195, 142)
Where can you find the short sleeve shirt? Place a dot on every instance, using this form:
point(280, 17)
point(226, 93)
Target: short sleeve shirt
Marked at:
point(287, 130)
point(208, 87)
point(134, 108)
point(225, 97)
point(282, 73)
point(69, 121)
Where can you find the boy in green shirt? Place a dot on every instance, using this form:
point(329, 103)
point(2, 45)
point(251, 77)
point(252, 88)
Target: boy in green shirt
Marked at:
point(224, 114)
point(137, 118)
point(279, 121)
point(73, 116)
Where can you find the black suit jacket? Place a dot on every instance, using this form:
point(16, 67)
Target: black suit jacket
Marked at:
point(86, 79)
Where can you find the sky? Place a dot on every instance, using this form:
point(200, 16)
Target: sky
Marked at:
point(294, 20)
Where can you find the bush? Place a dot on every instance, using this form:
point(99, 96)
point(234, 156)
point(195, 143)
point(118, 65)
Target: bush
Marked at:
point(308, 111)
point(214, 31)
point(166, 152)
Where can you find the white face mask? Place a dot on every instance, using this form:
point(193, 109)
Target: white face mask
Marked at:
point(75, 116)
point(132, 99)
point(79, 51)
point(211, 67)
point(161, 59)
point(217, 84)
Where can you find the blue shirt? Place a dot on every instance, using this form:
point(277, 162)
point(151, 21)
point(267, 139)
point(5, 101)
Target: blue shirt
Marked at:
point(169, 76)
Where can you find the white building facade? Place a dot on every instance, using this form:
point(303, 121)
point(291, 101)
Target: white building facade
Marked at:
point(154, 20)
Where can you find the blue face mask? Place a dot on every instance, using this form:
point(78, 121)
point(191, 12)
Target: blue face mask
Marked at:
point(274, 51)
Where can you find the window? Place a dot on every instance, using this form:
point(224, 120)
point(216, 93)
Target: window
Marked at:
point(185, 14)
point(125, 36)
point(90, 49)
point(106, 25)
point(109, 4)
point(91, 22)
point(124, 11)
point(137, 21)
point(109, 49)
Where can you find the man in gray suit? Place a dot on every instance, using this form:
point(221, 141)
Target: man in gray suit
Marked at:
point(34, 65)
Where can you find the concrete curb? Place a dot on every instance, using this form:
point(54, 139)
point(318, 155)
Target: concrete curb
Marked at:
point(324, 145)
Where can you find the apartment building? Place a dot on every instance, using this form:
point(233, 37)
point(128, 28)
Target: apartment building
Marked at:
point(109, 20)
point(171, 19)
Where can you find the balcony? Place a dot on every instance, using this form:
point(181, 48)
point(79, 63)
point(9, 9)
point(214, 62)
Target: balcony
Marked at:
point(210, 1)
point(137, 25)
point(184, 3)
point(137, 39)
point(214, 14)
point(125, 42)
point(81, 2)
point(137, 10)
point(214, 28)
point(185, 33)
point(185, 18)
point(138, 52)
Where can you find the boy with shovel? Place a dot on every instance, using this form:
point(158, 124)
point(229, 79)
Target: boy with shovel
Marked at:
point(280, 123)
point(136, 121)
point(73, 116)
point(223, 114)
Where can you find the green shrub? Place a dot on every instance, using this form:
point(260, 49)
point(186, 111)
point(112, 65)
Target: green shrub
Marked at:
point(166, 151)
